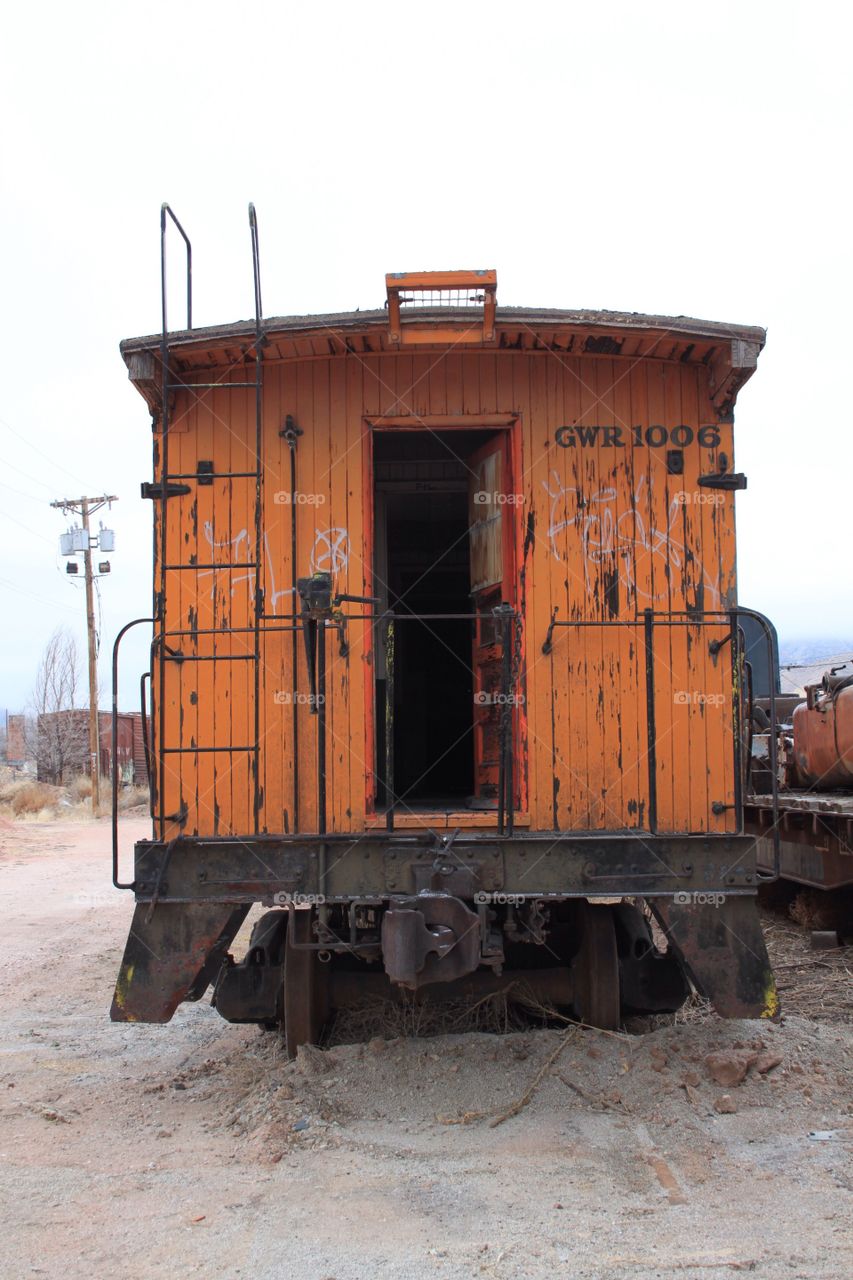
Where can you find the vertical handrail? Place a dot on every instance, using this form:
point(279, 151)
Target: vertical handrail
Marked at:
point(294, 647)
point(651, 732)
point(738, 712)
point(146, 744)
point(259, 530)
point(159, 609)
point(767, 628)
point(503, 616)
point(164, 210)
point(321, 726)
point(389, 724)
point(256, 266)
point(514, 634)
point(119, 884)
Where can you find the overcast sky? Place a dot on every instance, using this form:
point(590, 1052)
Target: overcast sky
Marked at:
point(675, 159)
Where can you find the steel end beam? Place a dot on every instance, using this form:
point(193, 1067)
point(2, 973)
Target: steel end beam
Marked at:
point(722, 948)
point(173, 952)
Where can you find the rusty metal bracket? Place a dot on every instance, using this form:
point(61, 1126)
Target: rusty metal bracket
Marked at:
point(454, 871)
point(159, 491)
point(548, 642)
point(433, 937)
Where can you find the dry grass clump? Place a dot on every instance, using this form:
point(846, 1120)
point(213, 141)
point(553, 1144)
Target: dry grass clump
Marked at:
point(415, 1016)
point(31, 801)
point(814, 984)
point(133, 798)
point(10, 787)
point(818, 909)
point(31, 798)
point(80, 788)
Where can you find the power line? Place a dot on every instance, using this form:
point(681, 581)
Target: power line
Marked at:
point(32, 532)
point(50, 488)
point(39, 451)
point(51, 604)
point(20, 492)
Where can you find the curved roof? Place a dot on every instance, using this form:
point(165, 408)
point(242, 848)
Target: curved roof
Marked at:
point(541, 321)
point(730, 351)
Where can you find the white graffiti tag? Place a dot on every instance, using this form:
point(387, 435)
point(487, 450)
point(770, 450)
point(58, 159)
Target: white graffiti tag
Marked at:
point(605, 533)
point(330, 553)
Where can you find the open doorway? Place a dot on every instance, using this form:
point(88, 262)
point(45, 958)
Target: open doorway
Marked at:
point(428, 547)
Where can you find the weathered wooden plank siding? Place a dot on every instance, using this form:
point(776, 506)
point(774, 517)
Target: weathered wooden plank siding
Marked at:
point(605, 536)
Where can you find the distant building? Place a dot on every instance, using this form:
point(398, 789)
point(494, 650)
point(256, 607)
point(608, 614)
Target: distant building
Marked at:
point(62, 745)
point(17, 753)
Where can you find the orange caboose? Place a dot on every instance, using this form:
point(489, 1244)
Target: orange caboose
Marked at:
point(446, 651)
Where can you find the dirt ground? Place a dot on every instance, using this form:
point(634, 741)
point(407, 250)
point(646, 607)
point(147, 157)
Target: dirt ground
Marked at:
point(196, 1149)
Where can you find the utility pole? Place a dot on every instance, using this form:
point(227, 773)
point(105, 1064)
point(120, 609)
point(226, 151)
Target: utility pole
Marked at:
point(85, 507)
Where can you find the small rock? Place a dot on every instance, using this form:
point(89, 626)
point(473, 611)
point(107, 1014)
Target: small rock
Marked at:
point(691, 1078)
point(728, 1068)
point(48, 1114)
point(725, 1104)
point(766, 1062)
point(299, 1125)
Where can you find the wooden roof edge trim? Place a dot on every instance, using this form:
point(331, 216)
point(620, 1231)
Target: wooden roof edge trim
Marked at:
point(354, 322)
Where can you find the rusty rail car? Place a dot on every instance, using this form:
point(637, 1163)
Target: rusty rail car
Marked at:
point(813, 819)
point(447, 665)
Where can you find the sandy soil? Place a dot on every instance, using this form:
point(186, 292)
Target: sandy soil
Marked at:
point(196, 1149)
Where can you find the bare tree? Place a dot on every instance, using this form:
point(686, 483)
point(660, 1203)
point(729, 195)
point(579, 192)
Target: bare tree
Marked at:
point(57, 725)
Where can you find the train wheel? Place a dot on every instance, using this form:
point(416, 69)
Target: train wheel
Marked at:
point(304, 986)
point(596, 969)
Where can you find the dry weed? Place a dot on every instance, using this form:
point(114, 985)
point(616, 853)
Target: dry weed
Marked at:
point(34, 798)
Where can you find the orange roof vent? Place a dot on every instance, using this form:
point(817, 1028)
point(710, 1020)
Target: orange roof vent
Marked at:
point(473, 291)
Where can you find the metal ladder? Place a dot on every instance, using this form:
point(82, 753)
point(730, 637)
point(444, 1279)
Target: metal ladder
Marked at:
point(175, 484)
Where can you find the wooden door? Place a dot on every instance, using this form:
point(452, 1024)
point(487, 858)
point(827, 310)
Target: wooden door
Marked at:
point(492, 513)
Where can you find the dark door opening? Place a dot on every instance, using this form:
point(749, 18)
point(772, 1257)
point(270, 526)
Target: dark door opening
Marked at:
point(423, 566)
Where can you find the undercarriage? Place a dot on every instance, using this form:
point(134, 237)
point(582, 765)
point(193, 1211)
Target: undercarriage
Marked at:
point(598, 927)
